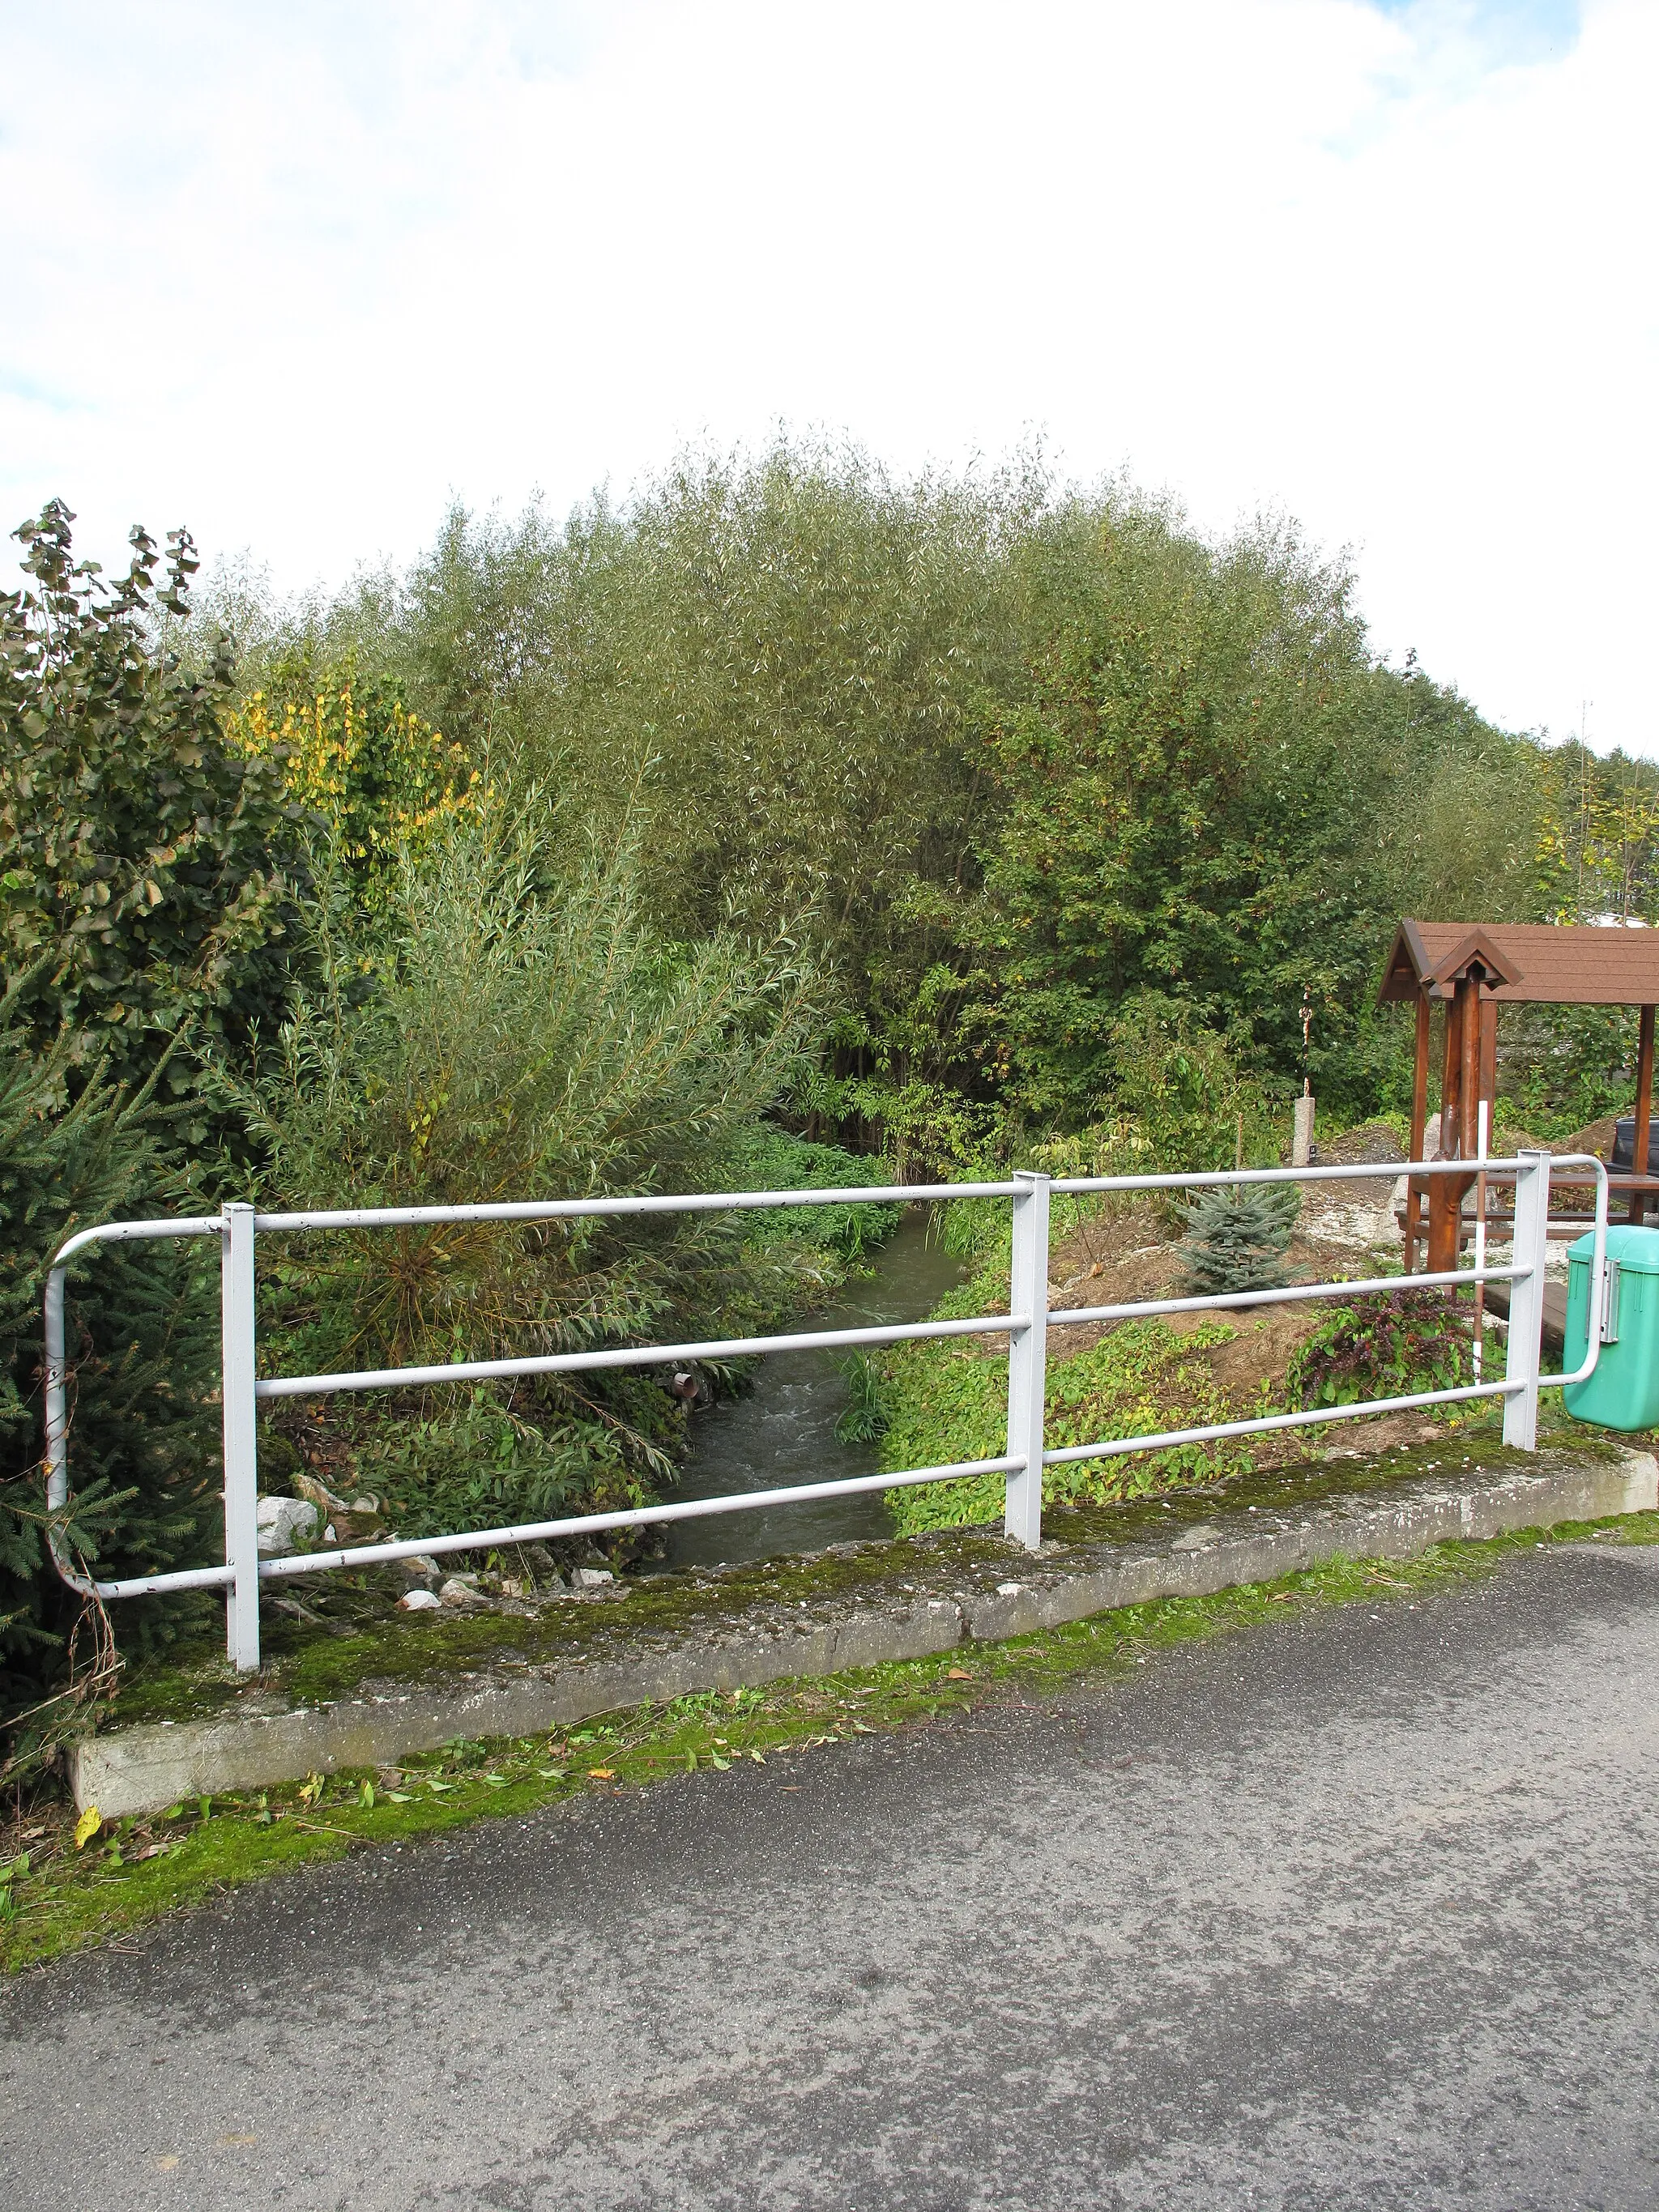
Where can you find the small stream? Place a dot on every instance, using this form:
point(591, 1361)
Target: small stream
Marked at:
point(783, 1431)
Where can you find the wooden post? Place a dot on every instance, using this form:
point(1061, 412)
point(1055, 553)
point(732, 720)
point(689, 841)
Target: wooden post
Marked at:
point(1638, 1204)
point(1451, 1060)
point(1489, 1061)
point(1419, 1123)
point(1457, 1123)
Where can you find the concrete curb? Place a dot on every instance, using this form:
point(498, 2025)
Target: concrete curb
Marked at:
point(142, 1769)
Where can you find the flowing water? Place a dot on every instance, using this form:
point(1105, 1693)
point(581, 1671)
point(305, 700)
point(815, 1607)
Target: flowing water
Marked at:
point(783, 1431)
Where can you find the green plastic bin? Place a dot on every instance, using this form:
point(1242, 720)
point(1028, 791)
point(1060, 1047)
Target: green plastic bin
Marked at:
point(1624, 1391)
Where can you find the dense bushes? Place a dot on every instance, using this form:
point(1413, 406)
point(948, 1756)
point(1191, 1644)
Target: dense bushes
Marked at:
point(787, 805)
point(146, 865)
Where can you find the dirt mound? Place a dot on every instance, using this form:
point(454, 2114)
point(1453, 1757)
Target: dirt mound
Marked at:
point(1595, 1137)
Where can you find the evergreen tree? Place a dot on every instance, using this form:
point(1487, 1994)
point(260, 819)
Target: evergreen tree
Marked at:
point(142, 1345)
point(1236, 1237)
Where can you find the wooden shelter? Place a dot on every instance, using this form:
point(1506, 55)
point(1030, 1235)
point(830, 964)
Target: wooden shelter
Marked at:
point(1471, 969)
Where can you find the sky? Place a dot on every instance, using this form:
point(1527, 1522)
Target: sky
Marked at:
point(299, 276)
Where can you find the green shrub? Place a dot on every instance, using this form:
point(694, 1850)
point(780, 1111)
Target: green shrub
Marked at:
point(141, 1340)
point(142, 859)
point(867, 1414)
point(768, 1158)
point(1382, 1347)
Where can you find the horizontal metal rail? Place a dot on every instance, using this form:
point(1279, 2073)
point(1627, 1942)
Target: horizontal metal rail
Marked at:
point(543, 1532)
point(243, 1572)
point(1167, 1439)
point(1358, 1172)
point(572, 1209)
point(636, 1355)
point(1461, 1278)
point(642, 1517)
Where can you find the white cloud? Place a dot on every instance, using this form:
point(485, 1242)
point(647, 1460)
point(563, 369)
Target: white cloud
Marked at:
point(295, 275)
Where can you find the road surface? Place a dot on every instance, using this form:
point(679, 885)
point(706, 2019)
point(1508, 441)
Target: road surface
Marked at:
point(1358, 1911)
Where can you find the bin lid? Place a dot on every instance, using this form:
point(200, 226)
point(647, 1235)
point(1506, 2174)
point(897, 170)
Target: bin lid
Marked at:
point(1628, 1242)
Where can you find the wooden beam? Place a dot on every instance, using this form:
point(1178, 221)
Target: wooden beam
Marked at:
point(1420, 1125)
point(1468, 1075)
point(1638, 1158)
point(1451, 1061)
point(1457, 1122)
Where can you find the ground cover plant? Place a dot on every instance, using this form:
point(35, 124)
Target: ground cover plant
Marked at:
point(1384, 1347)
point(65, 1883)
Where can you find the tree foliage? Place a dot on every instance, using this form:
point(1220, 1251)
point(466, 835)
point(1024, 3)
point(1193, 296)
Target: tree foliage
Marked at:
point(145, 863)
point(1014, 756)
point(355, 759)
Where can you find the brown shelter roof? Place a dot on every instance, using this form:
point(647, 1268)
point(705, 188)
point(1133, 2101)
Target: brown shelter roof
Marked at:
point(1576, 964)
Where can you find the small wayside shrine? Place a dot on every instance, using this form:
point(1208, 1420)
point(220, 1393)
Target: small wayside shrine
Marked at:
point(1471, 969)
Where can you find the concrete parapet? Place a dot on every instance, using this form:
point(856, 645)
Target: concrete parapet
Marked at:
point(926, 1604)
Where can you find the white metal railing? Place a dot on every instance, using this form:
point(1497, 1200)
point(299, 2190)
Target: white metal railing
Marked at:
point(1025, 1324)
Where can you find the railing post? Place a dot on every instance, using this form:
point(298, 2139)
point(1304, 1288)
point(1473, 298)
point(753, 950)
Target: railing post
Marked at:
point(1532, 1214)
point(242, 1442)
point(1028, 1357)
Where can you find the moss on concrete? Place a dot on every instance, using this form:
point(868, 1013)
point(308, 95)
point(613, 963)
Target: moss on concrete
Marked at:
point(360, 1639)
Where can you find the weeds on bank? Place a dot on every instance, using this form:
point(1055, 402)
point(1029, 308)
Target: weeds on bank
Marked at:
point(67, 1884)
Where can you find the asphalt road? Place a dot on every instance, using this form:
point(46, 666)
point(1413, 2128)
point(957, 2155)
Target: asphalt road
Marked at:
point(1358, 1911)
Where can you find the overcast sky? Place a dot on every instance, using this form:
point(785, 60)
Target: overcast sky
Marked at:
point(295, 274)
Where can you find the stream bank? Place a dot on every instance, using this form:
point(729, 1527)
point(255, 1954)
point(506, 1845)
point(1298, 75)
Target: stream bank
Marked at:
point(783, 1431)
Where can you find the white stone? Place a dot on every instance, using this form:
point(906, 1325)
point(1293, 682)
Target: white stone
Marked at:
point(1196, 1540)
point(1302, 1138)
point(583, 1578)
point(459, 1589)
point(418, 1600)
point(283, 1521)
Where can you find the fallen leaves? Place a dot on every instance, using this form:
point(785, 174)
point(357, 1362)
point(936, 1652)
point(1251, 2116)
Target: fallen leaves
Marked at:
point(88, 1827)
